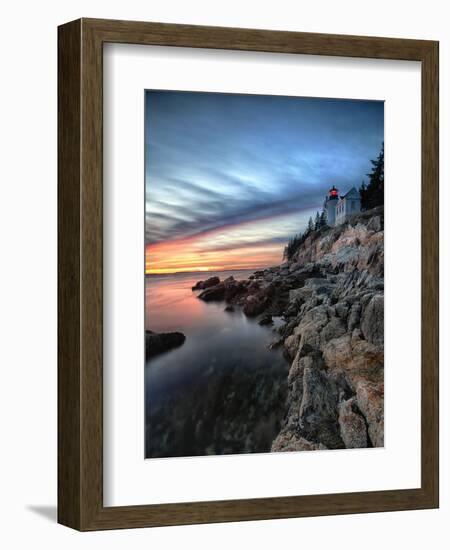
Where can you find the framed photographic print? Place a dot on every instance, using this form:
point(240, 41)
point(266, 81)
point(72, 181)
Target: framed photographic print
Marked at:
point(248, 274)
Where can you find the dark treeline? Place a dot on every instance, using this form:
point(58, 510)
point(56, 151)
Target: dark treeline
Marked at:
point(297, 240)
point(372, 195)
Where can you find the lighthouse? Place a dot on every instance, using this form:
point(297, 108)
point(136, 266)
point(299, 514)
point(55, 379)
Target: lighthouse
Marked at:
point(329, 205)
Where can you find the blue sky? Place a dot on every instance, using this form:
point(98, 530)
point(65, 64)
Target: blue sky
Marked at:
point(228, 171)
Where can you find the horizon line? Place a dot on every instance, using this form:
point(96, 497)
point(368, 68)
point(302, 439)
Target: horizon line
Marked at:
point(149, 273)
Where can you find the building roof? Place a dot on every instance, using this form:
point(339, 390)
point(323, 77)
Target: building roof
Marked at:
point(353, 193)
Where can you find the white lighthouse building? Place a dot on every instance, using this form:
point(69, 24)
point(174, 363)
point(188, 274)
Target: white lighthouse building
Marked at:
point(329, 205)
point(340, 208)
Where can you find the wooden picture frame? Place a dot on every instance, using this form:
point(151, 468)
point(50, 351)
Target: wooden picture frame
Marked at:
point(80, 271)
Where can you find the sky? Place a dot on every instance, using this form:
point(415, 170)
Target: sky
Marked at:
point(229, 178)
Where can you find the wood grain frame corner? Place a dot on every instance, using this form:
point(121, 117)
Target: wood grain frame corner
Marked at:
point(80, 301)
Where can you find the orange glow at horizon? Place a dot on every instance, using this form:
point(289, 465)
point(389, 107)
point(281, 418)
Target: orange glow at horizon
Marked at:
point(252, 244)
point(176, 256)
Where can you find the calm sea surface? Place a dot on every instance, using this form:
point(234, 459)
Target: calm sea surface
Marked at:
point(222, 391)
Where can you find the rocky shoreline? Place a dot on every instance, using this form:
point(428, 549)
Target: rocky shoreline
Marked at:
point(331, 297)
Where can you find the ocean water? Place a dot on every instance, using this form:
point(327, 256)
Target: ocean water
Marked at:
point(223, 391)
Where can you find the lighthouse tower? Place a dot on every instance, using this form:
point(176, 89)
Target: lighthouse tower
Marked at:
point(330, 205)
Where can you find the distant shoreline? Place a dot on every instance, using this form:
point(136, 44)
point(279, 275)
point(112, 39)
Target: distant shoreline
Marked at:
point(252, 269)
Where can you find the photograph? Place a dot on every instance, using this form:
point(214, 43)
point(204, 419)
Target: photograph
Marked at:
point(264, 274)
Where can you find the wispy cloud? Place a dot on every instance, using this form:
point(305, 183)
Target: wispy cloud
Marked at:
point(216, 163)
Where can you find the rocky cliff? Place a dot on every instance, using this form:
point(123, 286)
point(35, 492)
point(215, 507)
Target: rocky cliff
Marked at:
point(331, 296)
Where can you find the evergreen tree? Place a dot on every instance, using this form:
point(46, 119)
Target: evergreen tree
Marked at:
point(373, 194)
point(293, 245)
point(317, 222)
point(296, 241)
point(363, 195)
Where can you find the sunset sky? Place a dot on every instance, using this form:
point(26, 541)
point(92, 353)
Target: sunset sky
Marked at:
point(230, 178)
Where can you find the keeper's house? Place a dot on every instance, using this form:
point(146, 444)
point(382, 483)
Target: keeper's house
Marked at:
point(340, 208)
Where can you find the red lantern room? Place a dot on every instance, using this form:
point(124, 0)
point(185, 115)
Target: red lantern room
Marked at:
point(333, 193)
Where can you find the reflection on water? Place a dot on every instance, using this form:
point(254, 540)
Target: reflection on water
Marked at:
point(221, 392)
